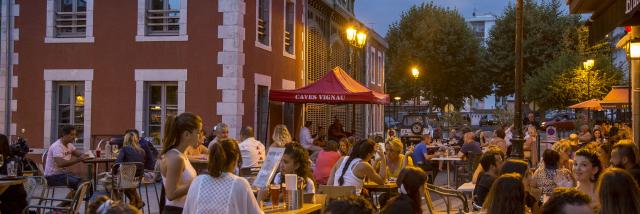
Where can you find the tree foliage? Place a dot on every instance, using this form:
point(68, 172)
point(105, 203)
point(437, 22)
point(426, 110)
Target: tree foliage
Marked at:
point(545, 27)
point(440, 44)
point(564, 81)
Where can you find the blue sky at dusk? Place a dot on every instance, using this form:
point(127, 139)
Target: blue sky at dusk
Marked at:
point(379, 14)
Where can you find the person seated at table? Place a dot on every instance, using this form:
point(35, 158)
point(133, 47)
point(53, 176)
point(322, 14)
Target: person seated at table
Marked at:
point(14, 198)
point(132, 152)
point(551, 176)
point(533, 195)
point(219, 132)
point(295, 160)
point(252, 151)
point(587, 169)
point(281, 136)
point(567, 201)
point(410, 183)
point(200, 149)
point(181, 132)
point(351, 170)
point(344, 146)
point(618, 192)
point(396, 161)
point(422, 156)
point(530, 146)
point(623, 156)
point(350, 205)
point(469, 146)
point(325, 161)
point(307, 141)
point(491, 162)
point(221, 191)
point(507, 196)
point(61, 155)
point(490, 149)
point(498, 140)
point(150, 151)
point(336, 130)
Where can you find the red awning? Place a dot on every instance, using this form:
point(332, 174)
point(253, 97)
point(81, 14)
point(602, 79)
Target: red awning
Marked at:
point(336, 87)
point(617, 98)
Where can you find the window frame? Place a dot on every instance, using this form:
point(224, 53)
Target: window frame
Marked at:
point(267, 26)
point(146, 124)
point(72, 110)
point(143, 34)
point(53, 36)
point(165, 19)
point(292, 33)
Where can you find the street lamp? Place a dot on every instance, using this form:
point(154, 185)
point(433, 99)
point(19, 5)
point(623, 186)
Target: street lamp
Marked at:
point(415, 73)
point(397, 99)
point(588, 65)
point(357, 39)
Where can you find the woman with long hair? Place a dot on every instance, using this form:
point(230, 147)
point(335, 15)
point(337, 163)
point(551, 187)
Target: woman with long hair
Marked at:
point(410, 183)
point(500, 201)
point(521, 168)
point(181, 132)
point(618, 192)
point(221, 191)
point(396, 160)
point(598, 137)
point(586, 169)
point(281, 136)
point(344, 146)
point(132, 152)
point(531, 145)
point(563, 148)
point(295, 160)
point(604, 154)
point(351, 170)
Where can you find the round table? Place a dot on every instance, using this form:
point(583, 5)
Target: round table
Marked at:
point(94, 170)
point(5, 184)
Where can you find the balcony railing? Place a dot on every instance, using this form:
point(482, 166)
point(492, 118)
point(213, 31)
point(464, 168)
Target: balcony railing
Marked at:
point(71, 24)
point(163, 22)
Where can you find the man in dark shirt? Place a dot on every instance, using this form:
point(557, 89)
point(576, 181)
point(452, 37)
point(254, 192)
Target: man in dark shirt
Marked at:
point(469, 146)
point(491, 161)
point(623, 156)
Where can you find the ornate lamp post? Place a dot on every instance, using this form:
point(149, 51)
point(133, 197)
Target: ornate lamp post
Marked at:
point(415, 73)
point(357, 39)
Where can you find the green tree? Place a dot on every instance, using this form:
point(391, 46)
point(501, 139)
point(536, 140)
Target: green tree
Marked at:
point(564, 81)
point(441, 45)
point(545, 26)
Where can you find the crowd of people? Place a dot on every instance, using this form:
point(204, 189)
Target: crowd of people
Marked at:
point(592, 172)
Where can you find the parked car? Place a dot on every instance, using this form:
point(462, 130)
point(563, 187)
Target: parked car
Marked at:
point(413, 126)
point(562, 121)
point(389, 122)
point(488, 120)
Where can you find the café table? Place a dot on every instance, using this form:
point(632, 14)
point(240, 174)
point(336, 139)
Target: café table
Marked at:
point(448, 160)
point(94, 169)
point(306, 208)
point(5, 183)
point(199, 162)
point(387, 187)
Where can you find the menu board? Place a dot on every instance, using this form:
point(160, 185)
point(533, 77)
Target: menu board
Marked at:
point(269, 167)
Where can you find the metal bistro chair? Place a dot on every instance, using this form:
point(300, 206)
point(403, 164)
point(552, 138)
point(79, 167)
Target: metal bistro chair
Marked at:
point(49, 190)
point(73, 208)
point(464, 171)
point(145, 183)
point(446, 193)
point(124, 177)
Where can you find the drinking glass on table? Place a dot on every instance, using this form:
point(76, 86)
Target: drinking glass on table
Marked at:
point(1, 160)
point(274, 192)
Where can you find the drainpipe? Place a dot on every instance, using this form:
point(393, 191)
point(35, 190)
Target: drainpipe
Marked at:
point(7, 113)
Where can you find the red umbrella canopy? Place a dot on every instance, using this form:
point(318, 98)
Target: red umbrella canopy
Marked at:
point(336, 87)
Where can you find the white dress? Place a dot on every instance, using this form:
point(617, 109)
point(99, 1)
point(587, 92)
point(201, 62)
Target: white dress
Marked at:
point(225, 194)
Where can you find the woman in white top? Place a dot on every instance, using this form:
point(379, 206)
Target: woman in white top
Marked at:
point(353, 169)
point(221, 191)
point(295, 160)
point(181, 133)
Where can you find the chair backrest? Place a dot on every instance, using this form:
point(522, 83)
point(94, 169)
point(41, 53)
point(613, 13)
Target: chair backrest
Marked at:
point(445, 192)
point(31, 185)
point(126, 176)
point(78, 197)
point(473, 160)
point(336, 191)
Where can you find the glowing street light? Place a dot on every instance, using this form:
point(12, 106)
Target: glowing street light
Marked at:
point(588, 64)
point(397, 98)
point(356, 37)
point(351, 33)
point(415, 72)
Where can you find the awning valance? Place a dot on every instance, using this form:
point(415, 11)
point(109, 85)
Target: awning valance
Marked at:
point(617, 98)
point(336, 87)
